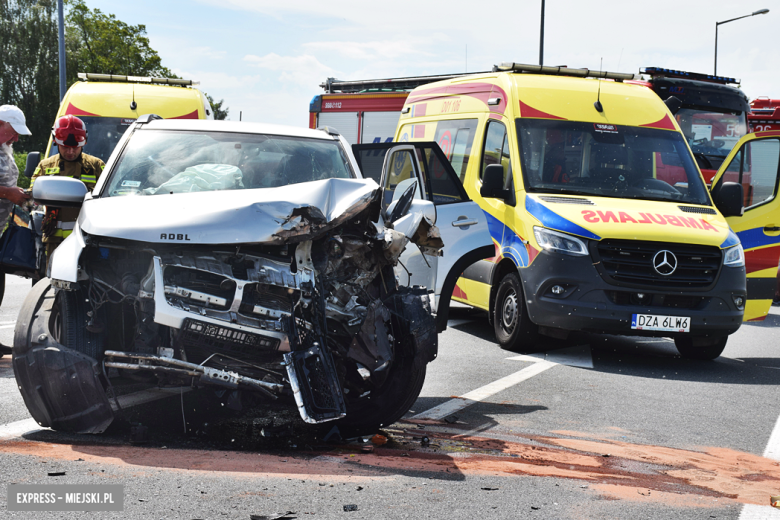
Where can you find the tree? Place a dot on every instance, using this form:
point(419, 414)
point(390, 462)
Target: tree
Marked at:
point(29, 75)
point(98, 42)
point(219, 113)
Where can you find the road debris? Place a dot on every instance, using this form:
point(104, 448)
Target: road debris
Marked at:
point(350, 507)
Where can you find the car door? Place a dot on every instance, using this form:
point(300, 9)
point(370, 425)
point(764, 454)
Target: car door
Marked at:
point(461, 223)
point(754, 162)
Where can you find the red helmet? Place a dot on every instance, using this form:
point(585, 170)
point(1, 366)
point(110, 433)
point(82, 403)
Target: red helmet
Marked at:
point(69, 131)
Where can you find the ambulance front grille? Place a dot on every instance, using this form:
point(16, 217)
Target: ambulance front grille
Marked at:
point(630, 262)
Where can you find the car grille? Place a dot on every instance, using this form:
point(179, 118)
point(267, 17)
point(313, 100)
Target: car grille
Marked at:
point(631, 262)
point(657, 300)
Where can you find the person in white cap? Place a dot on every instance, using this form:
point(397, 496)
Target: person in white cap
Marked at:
point(12, 125)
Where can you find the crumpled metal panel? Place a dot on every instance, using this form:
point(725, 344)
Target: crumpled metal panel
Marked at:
point(268, 215)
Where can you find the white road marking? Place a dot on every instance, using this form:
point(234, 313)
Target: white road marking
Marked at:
point(752, 511)
point(19, 428)
point(453, 405)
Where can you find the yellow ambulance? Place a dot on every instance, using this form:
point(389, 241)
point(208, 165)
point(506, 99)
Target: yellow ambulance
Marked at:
point(108, 103)
point(600, 218)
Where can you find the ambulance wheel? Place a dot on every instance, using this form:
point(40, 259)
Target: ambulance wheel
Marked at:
point(514, 329)
point(704, 349)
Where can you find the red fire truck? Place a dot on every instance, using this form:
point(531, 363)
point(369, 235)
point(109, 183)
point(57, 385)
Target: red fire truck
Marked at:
point(710, 111)
point(764, 114)
point(364, 111)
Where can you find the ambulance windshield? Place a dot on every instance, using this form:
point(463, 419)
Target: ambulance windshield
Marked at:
point(608, 160)
point(103, 134)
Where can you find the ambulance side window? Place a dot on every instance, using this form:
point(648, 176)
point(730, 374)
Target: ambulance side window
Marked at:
point(759, 171)
point(496, 151)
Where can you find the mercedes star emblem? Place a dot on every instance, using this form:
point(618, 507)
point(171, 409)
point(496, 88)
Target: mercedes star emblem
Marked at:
point(664, 262)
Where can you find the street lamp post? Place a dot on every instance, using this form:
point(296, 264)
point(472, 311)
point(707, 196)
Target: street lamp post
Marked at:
point(61, 42)
point(541, 39)
point(760, 11)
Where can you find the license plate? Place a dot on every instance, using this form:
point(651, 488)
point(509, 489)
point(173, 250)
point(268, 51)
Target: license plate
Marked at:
point(657, 322)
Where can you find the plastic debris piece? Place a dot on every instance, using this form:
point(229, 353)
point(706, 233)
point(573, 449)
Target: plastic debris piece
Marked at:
point(489, 489)
point(775, 501)
point(289, 515)
point(334, 435)
point(359, 488)
point(350, 507)
point(379, 440)
point(535, 508)
point(56, 473)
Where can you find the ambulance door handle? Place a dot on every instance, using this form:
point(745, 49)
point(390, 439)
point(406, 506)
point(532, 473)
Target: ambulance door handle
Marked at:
point(771, 229)
point(464, 221)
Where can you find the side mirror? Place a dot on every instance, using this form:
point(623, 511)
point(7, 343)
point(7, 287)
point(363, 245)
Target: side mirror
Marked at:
point(493, 185)
point(673, 104)
point(33, 159)
point(404, 203)
point(59, 192)
point(728, 197)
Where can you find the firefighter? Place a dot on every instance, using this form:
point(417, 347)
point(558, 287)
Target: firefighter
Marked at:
point(70, 135)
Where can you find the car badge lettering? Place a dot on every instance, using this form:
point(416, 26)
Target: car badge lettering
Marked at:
point(664, 262)
point(174, 236)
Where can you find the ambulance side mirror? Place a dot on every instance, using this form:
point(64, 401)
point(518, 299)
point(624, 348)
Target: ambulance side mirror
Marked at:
point(33, 159)
point(673, 104)
point(728, 197)
point(493, 185)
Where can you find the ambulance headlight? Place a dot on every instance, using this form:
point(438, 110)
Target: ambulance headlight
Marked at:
point(734, 256)
point(559, 242)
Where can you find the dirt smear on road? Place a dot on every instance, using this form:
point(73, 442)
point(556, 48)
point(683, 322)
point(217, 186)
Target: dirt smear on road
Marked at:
point(615, 470)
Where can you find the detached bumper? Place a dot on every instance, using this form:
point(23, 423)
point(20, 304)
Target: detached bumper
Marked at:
point(591, 304)
point(61, 387)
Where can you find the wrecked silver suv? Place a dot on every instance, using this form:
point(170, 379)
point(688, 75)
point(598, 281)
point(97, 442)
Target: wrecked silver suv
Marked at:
point(249, 258)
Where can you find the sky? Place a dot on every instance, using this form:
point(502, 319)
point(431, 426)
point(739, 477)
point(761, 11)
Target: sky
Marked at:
point(266, 59)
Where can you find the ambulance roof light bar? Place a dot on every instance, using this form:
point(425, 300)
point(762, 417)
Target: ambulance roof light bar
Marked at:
point(671, 73)
point(561, 71)
point(89, 76)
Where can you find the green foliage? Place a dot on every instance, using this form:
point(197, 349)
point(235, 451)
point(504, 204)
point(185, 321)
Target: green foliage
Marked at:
point(29, 74)
point(220, 113)
point(94, 42)
point(98, 42)
point(21, 161)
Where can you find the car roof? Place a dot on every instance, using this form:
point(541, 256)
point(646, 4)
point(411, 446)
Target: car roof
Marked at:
point(243, 127)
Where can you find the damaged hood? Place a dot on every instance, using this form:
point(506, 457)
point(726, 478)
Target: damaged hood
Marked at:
point(265, 215)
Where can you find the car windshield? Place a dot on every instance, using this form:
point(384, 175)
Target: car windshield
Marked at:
point(710, 134)
point(607, 160)
point(103, 133)
point(159, 161)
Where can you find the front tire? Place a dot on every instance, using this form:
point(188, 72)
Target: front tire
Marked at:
point(702, 349)
point(513, 327)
